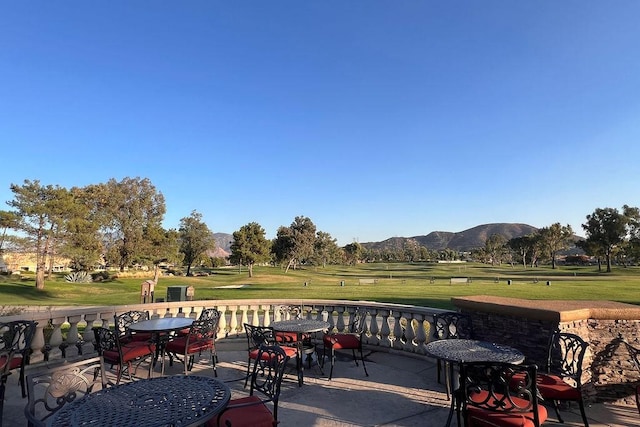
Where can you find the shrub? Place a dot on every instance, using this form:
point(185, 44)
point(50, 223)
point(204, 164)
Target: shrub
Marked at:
point(99, 276)
point(78, 277)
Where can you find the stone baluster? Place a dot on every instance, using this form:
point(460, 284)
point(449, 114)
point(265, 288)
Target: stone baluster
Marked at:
point(88, 336)
point(373, 337)
point(72, 342)
point(421, 334)
point(233, 325)
point(38, 343)
point(55, 341)
point(385, 330)
point(340, 325)
point(409, 332)
point(244, 317)
point(398, 333)
point(106, 318)
point(267, 314)
point(222, 323)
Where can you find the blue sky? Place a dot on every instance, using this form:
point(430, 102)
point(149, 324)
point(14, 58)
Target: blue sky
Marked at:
point(373, 118)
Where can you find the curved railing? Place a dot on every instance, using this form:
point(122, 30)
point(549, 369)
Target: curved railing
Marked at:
point(67, 332)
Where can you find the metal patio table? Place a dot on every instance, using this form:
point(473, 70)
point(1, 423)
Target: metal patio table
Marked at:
point(177, 400)
point(458, 351)
point(161, 328)
point(301, 327)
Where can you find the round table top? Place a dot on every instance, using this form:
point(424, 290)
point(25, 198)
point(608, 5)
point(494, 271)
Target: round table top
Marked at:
point(161, 324)
point(177, 400)
point(462, 350)
point(300, 325)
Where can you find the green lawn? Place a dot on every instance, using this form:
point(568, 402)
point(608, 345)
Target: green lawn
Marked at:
point(418, 284)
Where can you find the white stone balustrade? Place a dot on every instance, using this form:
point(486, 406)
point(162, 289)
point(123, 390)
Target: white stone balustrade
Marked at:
point(411, 325)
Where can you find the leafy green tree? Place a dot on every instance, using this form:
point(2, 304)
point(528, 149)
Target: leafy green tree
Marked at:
point(127, 211)
point(555, 238)
point(607, 229)
point(250, 246)
point(326, 249)
point(40, 210)
point(353, 253)
point(495, 248)
point(524, 247)
point(294, 244)
point(195, 238)
point(8, 220)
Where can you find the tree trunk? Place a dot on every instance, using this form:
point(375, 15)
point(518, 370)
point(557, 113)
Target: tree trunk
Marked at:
point(250, 268)
point(40, 276)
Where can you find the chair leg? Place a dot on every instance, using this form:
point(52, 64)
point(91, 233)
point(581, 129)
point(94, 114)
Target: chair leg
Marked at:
point(333, 361)
point(583, 413)
point(555, 406)
point(214, 359)
point(246, 381)
point(23, 383)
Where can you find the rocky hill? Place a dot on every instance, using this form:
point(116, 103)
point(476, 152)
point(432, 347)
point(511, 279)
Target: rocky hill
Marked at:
point(461, 241)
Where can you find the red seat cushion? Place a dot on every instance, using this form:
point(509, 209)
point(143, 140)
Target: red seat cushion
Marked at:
point(552, 387)
point(479, 417)
point(289, 351)
point(177, 345)
point(289, 337)
point(338, 341)
point(130, 351)
point(16, 362)
point(257, 415)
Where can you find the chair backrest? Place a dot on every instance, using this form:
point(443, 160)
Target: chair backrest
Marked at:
point(267, 374)
point(18, 335)
point(565, 356)
point(50, 390)
point(288, 312)
point(499, 387)
point(358, 321)
point(5, 357)
point(202, 330)
point(106, 339)
point(210, 314)
point(452, 325)
point(122, 321)
point(258, 336)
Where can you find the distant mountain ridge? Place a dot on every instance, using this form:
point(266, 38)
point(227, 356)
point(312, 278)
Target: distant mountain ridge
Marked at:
point(436, 240)
point(466, 240)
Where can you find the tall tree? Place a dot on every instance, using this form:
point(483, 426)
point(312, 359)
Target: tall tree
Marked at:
point(607, 229)
point(325, 249)
point(555, 238)
point(195, 238)
point(40, 209)
point(250, 246)
point(8, 220)
point(352, 253)
point(495, 248)
point(294, 244)
point(127, 210)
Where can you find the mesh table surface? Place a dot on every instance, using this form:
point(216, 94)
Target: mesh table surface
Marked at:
point(300, 325)
point(177, 400)
point(461, 350)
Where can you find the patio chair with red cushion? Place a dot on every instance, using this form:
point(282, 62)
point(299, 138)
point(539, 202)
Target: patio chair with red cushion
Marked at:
point(562, 379)
point(201, 337)
point(123, 355)
point(124, 320)
point(266, 378)
point(351, 340)
point(487, 400)
point(261, 336)
point(18, 335)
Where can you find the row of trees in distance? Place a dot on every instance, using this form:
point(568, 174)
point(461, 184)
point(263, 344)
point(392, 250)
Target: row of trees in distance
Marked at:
point(119, 223)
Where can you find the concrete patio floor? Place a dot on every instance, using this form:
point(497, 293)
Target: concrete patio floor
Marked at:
point(399, 391)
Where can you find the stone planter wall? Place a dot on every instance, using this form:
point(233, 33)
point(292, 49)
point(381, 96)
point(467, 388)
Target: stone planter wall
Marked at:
point(609, 374)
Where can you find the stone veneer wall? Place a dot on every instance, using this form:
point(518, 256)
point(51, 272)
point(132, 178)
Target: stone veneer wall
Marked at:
point(608, 372)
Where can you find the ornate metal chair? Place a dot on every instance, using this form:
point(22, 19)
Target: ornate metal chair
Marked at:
point(351, 340)
point(18, 335)
point(206, 314)
point(499, 395)
point(6, 354)
point(50, 390)
point(261, 336)
point(562, 378)
point(287, 312)
point(450, 325)
point(123, 355)
point(266, 378)
point(124, 320)
point(201, 337)
point(634, 352)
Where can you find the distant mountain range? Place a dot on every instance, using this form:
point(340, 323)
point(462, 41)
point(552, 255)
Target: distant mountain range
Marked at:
point(436, 240)
point(461, 241)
